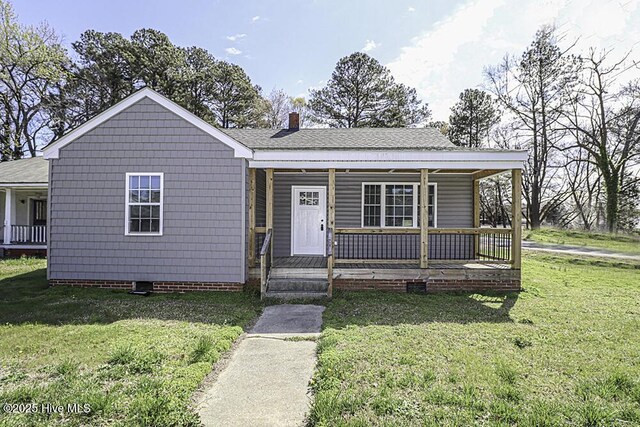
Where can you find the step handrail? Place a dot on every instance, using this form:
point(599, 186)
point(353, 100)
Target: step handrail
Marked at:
point(265, 263)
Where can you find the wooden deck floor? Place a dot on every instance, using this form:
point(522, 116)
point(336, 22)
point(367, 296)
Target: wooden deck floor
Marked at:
point(300, 262)
point(321, 262)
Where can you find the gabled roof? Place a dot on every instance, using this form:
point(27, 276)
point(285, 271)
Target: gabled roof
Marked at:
point(343, 139)
point(34, 170)
point(355, 148)
point(52, 150)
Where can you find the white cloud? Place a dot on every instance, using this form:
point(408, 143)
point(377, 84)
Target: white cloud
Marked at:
point(233, 51)
point(255, 18)
point(299, 82)
point(411, 9)
point(451, 55)
point(369, 45)
point(236, 37)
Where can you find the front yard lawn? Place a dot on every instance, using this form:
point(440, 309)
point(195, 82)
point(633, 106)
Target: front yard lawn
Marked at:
point(626, 243)
point(566, 351)
point(133, 360)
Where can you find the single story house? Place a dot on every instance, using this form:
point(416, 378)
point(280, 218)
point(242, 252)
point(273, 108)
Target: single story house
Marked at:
point(148, 194)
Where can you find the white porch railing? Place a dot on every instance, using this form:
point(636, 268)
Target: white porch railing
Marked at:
point(29, 234)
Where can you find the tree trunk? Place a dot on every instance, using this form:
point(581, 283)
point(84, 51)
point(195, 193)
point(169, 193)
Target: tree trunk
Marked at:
point(612, 185)
point(534, 209)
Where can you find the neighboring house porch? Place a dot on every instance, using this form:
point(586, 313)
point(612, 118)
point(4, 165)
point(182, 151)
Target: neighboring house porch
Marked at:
point(23, 207)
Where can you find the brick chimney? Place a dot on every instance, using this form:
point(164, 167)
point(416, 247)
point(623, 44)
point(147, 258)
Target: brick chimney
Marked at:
point(294, 121)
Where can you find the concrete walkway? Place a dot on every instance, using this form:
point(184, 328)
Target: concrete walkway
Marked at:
point(577, 250)
point(266, 382)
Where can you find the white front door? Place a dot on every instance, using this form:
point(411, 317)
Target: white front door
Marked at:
point(308, 220)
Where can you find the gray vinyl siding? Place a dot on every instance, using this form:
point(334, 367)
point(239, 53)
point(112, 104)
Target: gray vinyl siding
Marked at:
point(454, 206)
point(454, 197)
point(203, 202)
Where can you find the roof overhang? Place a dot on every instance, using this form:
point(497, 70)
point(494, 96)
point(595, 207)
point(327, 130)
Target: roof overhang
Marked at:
point(387, 159)
point(52, 151)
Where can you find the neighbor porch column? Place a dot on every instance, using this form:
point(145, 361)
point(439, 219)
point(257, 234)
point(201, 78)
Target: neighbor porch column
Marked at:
point(252, 217)
point(476, 216)
point(8, 202)
point(332, 228)
point(516, 217)
point(269, 200)
point(424, 218)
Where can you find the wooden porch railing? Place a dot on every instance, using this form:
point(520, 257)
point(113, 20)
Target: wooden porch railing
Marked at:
point(470, 244)
point(401, 245)
point(29, 234)
point(265, 263)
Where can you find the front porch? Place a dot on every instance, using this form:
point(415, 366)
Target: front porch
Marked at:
point(414, 245)
point(23, 207)
point(23, 221)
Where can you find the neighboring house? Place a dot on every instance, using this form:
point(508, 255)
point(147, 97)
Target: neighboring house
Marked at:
point(148, 193)
point(23, 207)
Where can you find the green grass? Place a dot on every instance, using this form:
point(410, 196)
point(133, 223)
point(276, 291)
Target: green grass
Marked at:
point(134, 360)
point(566, 351)
point(616, 242)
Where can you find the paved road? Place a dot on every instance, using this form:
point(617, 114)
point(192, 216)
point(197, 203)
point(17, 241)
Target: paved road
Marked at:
point(577, 250)
point(266, 382)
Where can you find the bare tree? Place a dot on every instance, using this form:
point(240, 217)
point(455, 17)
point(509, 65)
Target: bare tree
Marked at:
point(605, 123)
point(584, 184)
point(531, 89)
point(279, 108)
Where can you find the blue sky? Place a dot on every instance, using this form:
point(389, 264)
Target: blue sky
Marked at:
point(439, 47)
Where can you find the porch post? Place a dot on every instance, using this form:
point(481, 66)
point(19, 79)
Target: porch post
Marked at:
point(252, 217)
point(332, 227)
point(269, 200)
point(424, 218)
point(8, 202)
point(476, 216)
point(516, 217)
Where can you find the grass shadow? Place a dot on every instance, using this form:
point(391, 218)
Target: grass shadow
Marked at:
point(383, 308)
point(27, 298)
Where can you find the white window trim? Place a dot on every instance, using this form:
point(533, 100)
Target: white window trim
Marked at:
point(416, 208)
point(126, 203)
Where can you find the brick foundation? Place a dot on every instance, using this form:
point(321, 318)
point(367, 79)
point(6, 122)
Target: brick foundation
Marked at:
point(432, 285)
point(391, 285)
point(370, 284)
point(17, 253)
point(158, 287)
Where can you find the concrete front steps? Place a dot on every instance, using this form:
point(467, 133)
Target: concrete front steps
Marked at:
point(296, 288)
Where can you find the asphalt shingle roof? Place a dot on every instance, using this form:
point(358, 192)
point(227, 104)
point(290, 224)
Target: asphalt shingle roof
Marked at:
point(34, 170)
point(342, 139)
